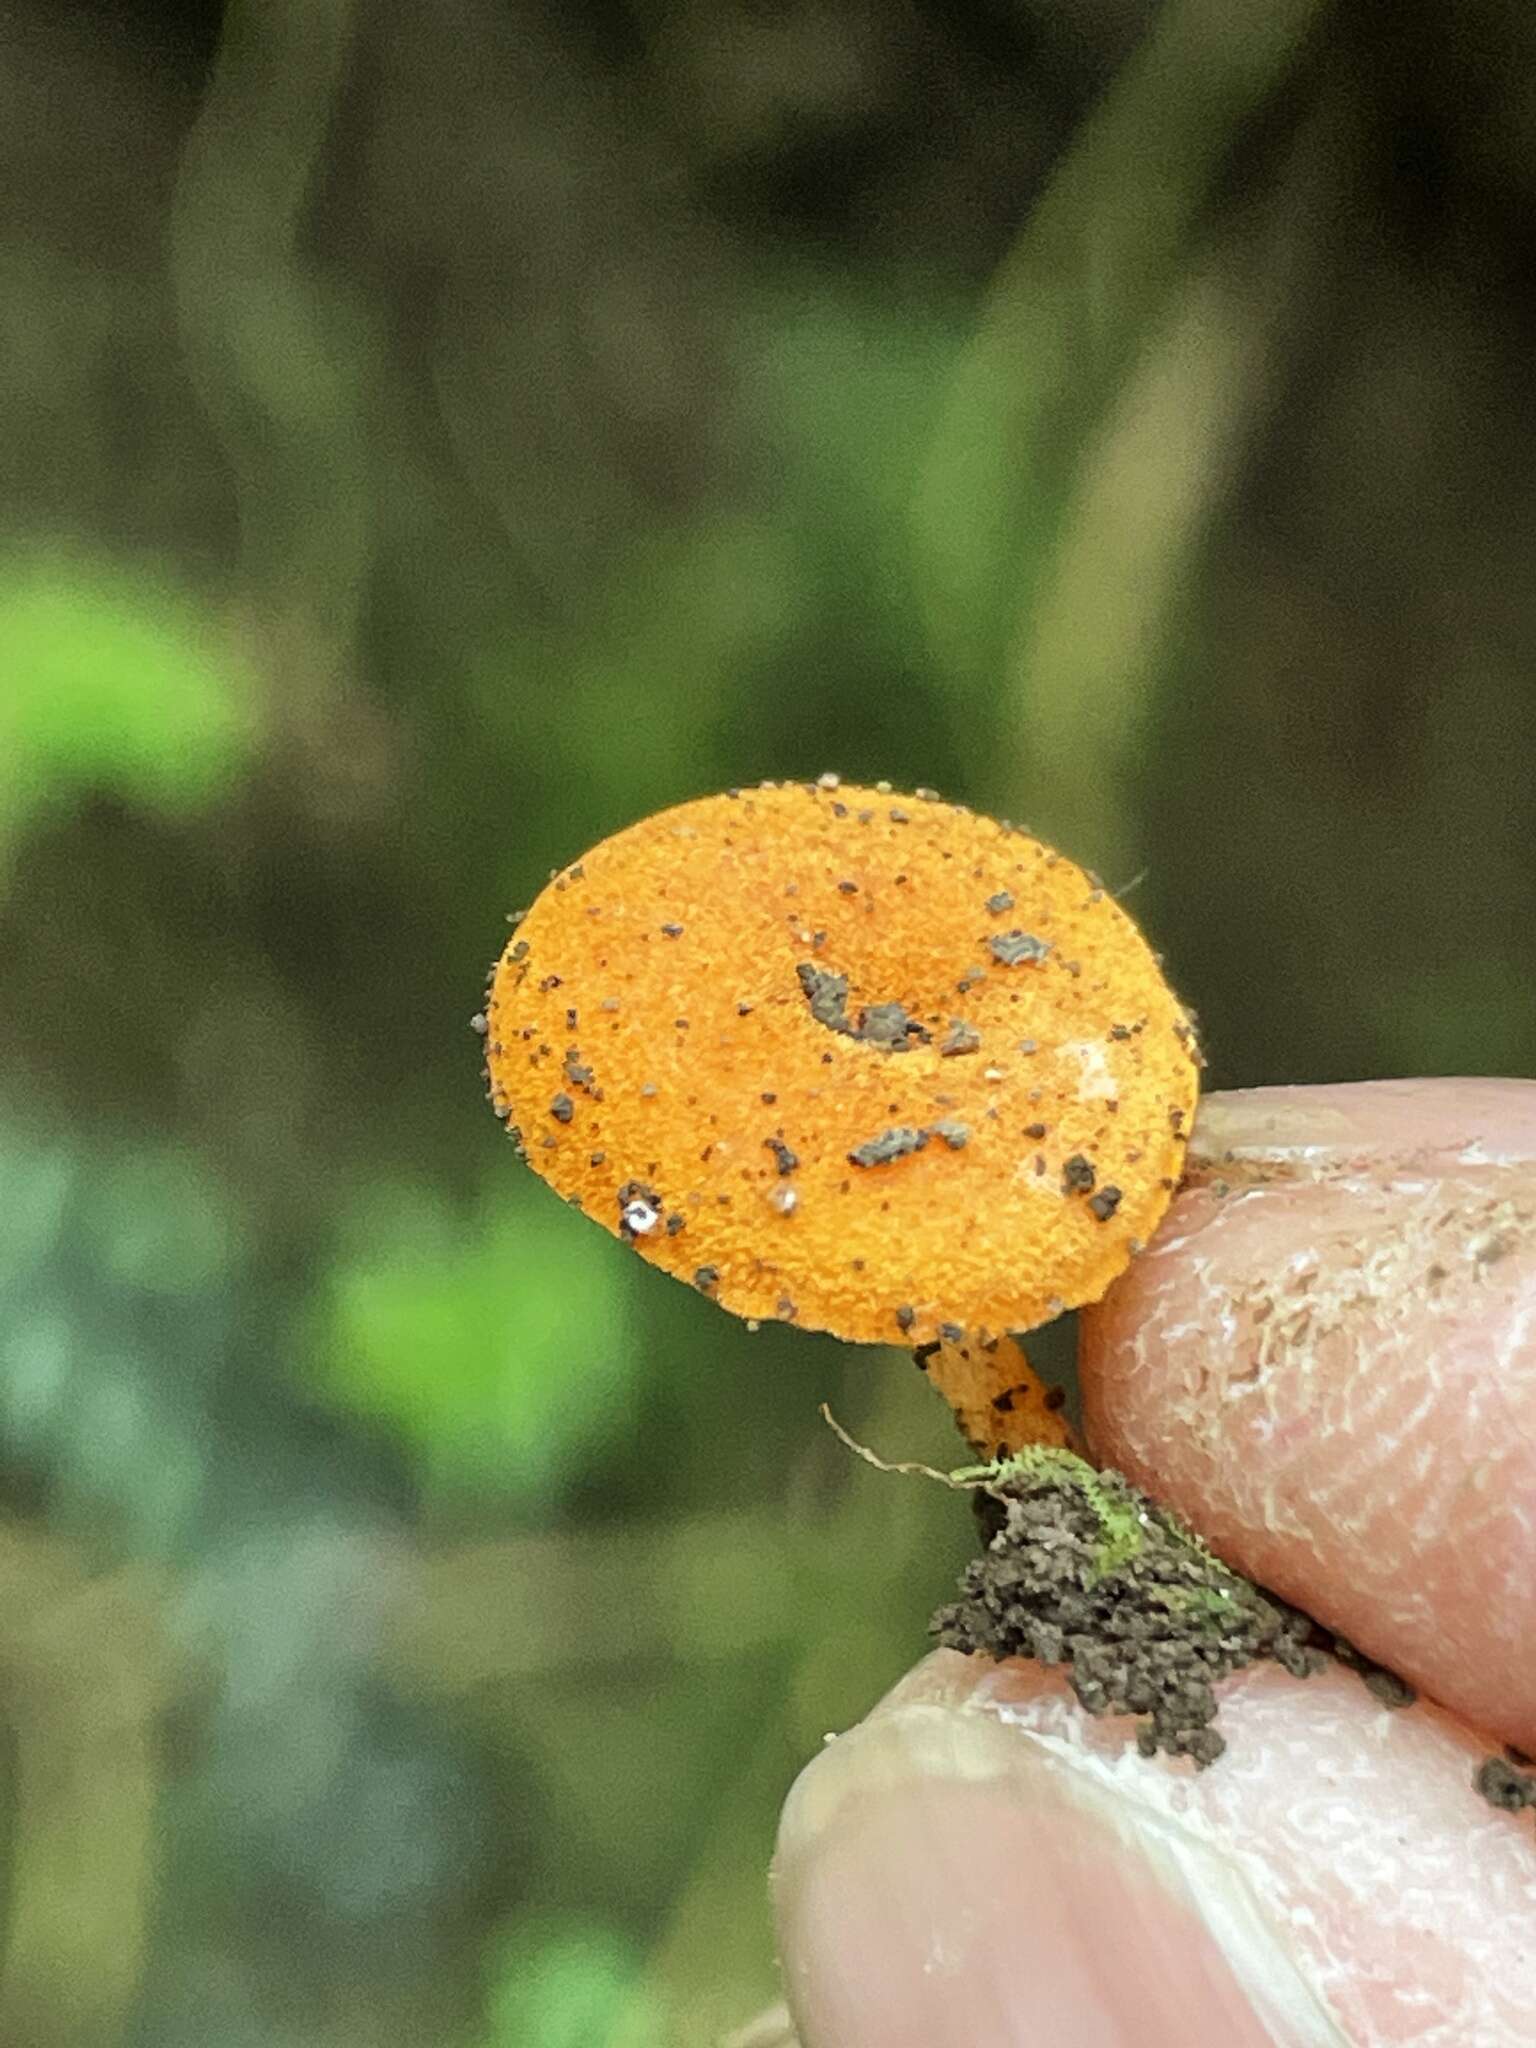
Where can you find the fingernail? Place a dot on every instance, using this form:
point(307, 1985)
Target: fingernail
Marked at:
point(942, 1880)
point(1462, 1122)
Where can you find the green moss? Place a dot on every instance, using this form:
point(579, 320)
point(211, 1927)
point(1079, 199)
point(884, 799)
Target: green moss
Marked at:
point(1083, 1569)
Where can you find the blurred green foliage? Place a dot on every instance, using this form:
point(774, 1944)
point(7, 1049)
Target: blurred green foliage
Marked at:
point(111, 683)
point(493, 1344)
point(433, 437)
point(567, 1986)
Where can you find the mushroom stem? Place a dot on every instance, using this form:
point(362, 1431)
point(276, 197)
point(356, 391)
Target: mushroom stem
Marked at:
point(1001, 1404)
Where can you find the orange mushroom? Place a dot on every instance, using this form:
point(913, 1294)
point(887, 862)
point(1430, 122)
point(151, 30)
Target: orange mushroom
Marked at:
point(868, 1063)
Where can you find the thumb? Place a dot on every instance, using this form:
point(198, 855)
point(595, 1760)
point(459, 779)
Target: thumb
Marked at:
point(981, 1863)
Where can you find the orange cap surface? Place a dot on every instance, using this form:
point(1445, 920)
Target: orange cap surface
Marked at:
point(872, 1064)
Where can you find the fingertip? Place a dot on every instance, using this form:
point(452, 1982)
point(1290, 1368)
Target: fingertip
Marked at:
point(1323, 1360)
point(942, 1881)
point(981, 1861)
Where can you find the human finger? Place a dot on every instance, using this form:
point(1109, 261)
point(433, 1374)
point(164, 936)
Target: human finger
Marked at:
point(1326, 1362)
point(982, 1862)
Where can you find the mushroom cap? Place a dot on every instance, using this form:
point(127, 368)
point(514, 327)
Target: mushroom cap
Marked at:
point(872, 1064)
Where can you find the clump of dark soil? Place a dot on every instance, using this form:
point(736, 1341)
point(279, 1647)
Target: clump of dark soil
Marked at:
point(1084, 1570)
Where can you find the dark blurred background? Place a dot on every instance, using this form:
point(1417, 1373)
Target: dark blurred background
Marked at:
point(432, 434)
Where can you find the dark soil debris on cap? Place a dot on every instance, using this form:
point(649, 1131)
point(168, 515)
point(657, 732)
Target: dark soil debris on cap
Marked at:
point(1013, 947)
point(1084, 1570)
point(888, 1025)
point(827, 994)
point(891, 1144)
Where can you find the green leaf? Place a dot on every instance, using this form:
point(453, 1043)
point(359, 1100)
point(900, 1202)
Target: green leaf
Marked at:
point(497, 1346)
point(572, 1985)
point(111, 681)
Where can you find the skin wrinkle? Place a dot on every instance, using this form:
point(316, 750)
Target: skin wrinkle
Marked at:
point(1362, 1441)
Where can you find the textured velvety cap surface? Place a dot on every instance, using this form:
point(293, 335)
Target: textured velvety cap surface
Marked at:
point(867, 1062)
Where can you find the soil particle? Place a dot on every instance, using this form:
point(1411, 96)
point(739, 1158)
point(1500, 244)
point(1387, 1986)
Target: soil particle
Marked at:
point(889, 1026)
point(1083, 1569)
point(959, 1038)
point(1013, 947)
point(827, 994)
point(1379, 1682)
point(1504, 1786)
point(1388, 1688)
point(886, 1025)
point(892, 1144)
